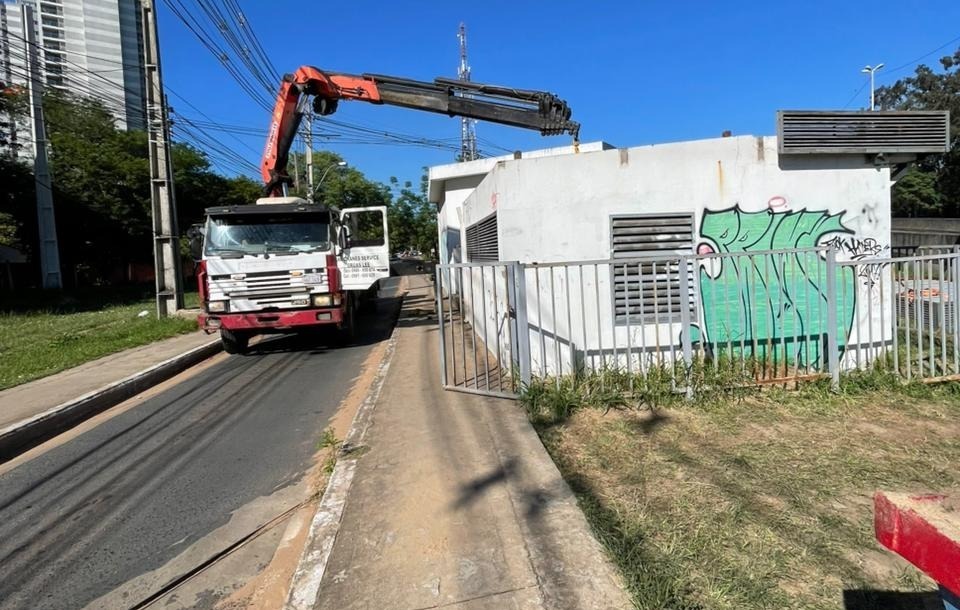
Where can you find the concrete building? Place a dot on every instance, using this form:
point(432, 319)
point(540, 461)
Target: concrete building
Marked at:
point(86, 47)
point(451, 184)
point(717, 196)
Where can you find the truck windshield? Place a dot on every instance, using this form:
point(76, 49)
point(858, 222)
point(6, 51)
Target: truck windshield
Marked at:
point(260, 233)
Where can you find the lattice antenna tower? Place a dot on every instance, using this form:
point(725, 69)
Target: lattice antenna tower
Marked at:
point(468, 127)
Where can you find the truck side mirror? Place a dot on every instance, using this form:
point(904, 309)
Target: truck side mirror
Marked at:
point(344, 237)
point(195, 237)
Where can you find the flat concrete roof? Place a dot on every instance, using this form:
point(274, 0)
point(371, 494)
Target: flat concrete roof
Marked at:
point(439, 174)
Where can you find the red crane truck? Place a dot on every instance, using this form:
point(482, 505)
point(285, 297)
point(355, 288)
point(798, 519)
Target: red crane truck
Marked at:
point(287, 265)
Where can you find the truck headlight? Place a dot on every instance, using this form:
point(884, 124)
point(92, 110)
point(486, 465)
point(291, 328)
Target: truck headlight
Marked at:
point(217, 306)
point(322, 300)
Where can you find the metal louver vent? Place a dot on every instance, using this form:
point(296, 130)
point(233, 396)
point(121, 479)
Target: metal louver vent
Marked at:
point(482, 242)
point(644, 291)
point(865, 132)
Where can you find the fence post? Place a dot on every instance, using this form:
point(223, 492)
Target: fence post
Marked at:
point(438, 286)
point(833, 355)
point(685, 322)
point(523, 329)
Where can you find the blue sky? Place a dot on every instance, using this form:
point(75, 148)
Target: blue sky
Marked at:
point(634, 73)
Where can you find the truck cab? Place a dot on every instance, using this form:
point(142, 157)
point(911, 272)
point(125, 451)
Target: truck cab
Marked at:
point(287, 265)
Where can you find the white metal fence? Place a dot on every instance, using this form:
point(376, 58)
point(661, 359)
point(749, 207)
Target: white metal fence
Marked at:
point(775, 315)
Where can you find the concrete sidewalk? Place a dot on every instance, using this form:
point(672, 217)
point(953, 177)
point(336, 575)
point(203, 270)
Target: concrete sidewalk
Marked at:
point(456, 504)
point(32, 398)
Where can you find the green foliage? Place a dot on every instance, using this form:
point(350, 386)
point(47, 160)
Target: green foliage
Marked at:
point(933, 186)
point(553, 400)
point(13, 103)
point(101, 182)
point(412, 220)
point(42, 334)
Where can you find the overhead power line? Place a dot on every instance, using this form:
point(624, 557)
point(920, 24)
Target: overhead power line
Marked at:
point(910, 64)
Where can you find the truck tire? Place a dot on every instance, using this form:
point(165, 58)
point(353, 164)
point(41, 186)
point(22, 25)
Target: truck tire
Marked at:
point(234, 342)
point(348, 328)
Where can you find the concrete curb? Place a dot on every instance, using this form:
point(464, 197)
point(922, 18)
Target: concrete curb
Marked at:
point(21, 436)
point(305, 584)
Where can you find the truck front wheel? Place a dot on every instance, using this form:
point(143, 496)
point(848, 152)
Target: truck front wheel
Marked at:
point(234, 342)
point(348, 327)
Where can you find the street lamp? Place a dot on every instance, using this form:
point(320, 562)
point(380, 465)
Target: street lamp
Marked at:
point(870, 71)
point(340, 164)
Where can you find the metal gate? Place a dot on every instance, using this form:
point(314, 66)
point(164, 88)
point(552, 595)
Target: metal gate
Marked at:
point(482, 348)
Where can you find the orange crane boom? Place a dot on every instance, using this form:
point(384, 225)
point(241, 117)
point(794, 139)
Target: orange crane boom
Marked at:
point(537, 110)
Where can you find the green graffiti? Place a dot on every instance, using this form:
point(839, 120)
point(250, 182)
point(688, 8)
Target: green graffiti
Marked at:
point(771, 306)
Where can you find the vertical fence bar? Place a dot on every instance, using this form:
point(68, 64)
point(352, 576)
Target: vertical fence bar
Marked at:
point(942, 334)
point(523, 326)
point(756, 308)
point(596, 291)
point(566, 289)
point(783, 313)
point(671, 320)
point(895, 315)
point(726, 307)
point(485, 338)
point(821, 319)
point(794, 349)
point(626, 308)
point(453, 328)
point(685, 326)
point(808, 324)
point(869, 295)
point(440, 331)
point(496, 319)
point(954, 314)
point(463, 322)
point(918, 306)
point(931, 318)
point(905, 301)
point(843, 307)
point(543, 345)
point(473, 330)
point(882, 350)
point(770, 323)
point(643, 321)
point(656, 314)
point(833, 356)
point(556, 332)
point(510, 296)
point(583, 318)
point(744, 313)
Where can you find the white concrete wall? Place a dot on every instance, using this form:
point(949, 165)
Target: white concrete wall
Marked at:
point(558, 209)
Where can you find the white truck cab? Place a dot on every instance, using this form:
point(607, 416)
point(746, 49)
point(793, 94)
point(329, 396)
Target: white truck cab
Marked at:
point(285, 265)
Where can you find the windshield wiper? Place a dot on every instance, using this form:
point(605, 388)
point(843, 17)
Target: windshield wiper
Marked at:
point(232, 252)
point(280, 250)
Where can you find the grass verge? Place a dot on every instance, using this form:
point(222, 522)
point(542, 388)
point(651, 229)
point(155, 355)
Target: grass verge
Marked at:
point(44, 333)
point(750, 499)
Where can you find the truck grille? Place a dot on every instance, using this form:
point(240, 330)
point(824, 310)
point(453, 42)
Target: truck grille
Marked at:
point(267, 289)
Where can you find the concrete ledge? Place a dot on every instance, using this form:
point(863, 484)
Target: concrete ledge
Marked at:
point(21, 436)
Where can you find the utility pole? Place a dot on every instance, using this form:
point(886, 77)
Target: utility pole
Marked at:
point(166, 237)
point(468, 127)
point(308, 139)
point(49, 251)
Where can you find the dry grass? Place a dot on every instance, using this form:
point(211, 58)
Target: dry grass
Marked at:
point(758, 503)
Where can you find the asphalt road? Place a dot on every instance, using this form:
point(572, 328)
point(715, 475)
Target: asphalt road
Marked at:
point(127, 496)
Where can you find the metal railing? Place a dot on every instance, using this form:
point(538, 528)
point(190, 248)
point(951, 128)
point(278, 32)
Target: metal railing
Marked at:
point(773, 316)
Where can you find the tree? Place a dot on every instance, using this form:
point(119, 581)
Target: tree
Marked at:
point(932, 188)
point(101, 182)
point(414, 216)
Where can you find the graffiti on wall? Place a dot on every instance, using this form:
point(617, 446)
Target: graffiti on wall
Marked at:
point(857, 249)
point(770, 305)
